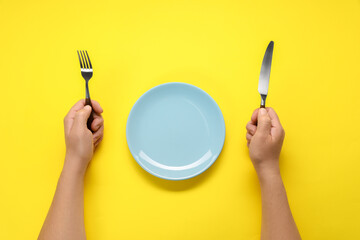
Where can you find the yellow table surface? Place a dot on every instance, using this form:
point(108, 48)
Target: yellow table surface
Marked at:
point(215, 45)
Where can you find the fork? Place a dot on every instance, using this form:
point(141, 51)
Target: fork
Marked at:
point(86, 73)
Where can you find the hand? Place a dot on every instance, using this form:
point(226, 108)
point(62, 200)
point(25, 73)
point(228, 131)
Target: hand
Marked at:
point(80, 141)
point(265, 137)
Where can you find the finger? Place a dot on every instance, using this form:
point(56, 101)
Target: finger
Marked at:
point(76, 107)
point(277, 129)
point(98, 141)
point(248, 144)
point(81, 117)
point(254, 116)
point(96, 106)
point(98, 134)
point(273, 116)
point(248, 137)
point(264, 122)
point(96, 115)
point(96, 124)
point(251, 128)
point(69, 118)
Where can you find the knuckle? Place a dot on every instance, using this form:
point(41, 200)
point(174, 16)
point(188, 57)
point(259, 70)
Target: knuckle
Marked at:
point(249, 126)
point(101, 121)
point(80, 113)
point(248, 136)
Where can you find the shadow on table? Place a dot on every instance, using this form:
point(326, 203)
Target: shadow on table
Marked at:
point(180, 185)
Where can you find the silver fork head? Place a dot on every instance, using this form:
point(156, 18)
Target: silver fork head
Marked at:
point(85, 65)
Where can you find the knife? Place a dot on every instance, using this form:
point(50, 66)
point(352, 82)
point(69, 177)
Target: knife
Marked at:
point(265, 73)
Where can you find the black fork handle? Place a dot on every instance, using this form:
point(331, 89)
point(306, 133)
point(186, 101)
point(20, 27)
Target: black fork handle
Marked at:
point(91, 117)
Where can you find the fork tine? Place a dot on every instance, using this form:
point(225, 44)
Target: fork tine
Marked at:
point(79, 59)
point(88, 59)
point(82, 57)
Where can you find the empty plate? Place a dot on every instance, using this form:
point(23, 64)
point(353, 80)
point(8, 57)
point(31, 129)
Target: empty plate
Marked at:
point(175, 131)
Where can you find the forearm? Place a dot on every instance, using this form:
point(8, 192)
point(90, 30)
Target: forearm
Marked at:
point(65, 219)
point(277, 220)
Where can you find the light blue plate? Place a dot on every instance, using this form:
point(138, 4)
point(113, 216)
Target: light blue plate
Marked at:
point(175, 131)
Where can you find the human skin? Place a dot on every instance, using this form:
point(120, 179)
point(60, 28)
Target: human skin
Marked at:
point(65, 219)
point(265, 137)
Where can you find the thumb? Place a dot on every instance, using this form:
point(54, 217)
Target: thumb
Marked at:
point(82, 116)
point(264, 122)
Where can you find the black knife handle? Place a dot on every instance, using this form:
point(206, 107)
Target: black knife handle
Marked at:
point(263, 99)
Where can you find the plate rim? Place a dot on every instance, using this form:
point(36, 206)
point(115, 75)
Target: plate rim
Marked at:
point(215, 157)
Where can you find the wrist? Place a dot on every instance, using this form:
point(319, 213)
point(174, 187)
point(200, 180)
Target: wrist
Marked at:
point(73, 167)
point(267, 172)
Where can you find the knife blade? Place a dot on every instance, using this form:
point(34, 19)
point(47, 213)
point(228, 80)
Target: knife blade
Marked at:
point(265, 73)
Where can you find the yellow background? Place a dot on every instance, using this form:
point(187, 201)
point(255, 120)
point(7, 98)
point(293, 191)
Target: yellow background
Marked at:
point(215, 45)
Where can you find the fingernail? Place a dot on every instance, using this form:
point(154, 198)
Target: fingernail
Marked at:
point(263, 111)
point(87, 107)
